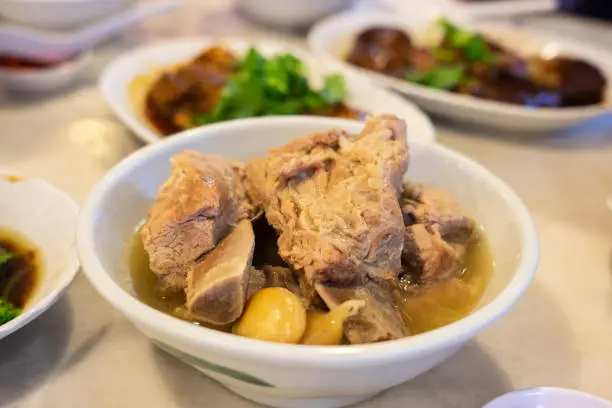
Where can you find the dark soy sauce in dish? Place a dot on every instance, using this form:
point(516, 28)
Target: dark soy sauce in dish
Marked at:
point(20, 272)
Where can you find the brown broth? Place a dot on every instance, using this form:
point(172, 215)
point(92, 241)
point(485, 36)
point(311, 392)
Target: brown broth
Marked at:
point(20, 275)
point(435, 306)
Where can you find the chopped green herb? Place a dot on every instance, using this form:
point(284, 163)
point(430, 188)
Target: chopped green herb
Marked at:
point(8, 311)
point(334, 89)
point(443, 77)
point(444, 55)
point(473, 46)
point(277, 85)
point(5, 257)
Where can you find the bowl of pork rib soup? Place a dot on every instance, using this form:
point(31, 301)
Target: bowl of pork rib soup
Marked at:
point(302, 259)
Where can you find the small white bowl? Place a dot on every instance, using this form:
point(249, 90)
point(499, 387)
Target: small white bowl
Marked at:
point(284, 375)
point(548, 397)
point(47, 217)
point(332, 38)
point(59, 14)
point(44, 79)
point(293, 13)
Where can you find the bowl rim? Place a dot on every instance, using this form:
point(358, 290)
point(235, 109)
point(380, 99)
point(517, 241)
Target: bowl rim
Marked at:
point(542, 391)
point(289, 354)
point(69, 271)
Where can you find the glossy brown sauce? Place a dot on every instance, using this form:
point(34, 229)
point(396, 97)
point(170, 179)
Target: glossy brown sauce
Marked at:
point(533, 82)
point(169, 98)
point(20, 275)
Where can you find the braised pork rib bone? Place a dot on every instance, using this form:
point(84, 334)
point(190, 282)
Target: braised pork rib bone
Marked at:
point(194, 209)
point(377, 321)
point(333, 199)
point(437, 233)
point(217, 285)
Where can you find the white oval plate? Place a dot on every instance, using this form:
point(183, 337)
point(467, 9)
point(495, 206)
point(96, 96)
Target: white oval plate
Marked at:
point(333, 37)
point(47, 217)
point(118, 75)
point(548, 397)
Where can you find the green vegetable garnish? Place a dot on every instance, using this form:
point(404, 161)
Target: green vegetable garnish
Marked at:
point(278, 85)
point(8, 311)
point(472, 45)
point(443, 77)
point(5, 257)
point(334, 89)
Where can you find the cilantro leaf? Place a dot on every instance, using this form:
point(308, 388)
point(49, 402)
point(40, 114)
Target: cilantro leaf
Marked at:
point(334, 89)
point(443, 77)
point(8, 311)
point(473, 46)
point(5, 257)
point(278, 85)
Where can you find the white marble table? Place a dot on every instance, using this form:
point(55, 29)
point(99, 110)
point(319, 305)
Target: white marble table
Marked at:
point(82, 353)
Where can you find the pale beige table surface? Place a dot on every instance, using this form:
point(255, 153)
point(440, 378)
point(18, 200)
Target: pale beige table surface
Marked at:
point(82, 353)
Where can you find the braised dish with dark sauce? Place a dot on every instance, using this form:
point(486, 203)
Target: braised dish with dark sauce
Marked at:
point(20, 268)
point(218, 85)
point(322, 242)
point(470, 63)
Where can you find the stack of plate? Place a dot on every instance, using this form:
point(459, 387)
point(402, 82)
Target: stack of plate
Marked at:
point(61, 34)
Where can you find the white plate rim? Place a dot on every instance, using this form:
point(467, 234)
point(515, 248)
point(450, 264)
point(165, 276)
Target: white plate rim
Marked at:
point(108, 87)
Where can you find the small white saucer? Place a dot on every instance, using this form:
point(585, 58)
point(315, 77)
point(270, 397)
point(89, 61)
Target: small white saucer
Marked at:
point(44, 79)
point(548, 397)
point(47, 217)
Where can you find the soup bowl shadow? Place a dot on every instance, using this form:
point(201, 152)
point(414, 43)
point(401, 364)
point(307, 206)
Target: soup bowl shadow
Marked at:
point(285, 375)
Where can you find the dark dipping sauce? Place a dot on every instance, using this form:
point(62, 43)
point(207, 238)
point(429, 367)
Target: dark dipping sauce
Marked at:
point(533, 82)
point(20, 274)
point(25, 64)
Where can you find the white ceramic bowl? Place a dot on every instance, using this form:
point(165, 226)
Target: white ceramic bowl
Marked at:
point(292, 375)
point(293, 13)
point(548, 397)
point(333, 37)
point(117, 76)
point(59, 14)
point(47, 217)
point(44, 79)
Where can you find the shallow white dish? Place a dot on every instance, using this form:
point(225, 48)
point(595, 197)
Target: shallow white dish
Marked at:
point(44, 79)
point(472, 10)
point(333, 37)
point(47, 217)
point(59, 14)
point(295, 13)
point(119, 74)
point(297, 376)
point(548, 397)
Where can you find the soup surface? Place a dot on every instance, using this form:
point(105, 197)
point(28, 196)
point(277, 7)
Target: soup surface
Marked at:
point(20, 270)
point(322, 242)
point(431, 307)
